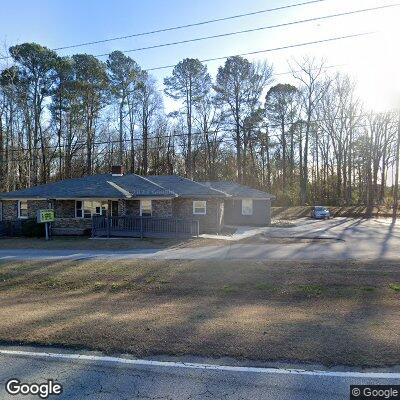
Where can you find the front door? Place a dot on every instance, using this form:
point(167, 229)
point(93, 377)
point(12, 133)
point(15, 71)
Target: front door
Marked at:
point(114, 208)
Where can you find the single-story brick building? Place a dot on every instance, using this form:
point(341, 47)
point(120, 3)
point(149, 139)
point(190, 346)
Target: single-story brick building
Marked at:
point(76, 201)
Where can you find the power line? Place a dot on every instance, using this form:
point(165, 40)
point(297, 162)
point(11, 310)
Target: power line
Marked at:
point(255, 29)
point(173, 28)
point(182, 26)
point(272, 49)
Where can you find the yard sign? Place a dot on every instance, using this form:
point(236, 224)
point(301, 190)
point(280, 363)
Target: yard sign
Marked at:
point(44, 217)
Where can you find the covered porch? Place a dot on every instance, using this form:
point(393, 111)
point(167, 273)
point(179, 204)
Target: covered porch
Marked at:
point(140, 227)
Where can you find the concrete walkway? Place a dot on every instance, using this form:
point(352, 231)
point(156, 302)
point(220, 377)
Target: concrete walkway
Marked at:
point(242, 232)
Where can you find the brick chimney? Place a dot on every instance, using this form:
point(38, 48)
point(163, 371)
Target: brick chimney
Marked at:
point(117, 170)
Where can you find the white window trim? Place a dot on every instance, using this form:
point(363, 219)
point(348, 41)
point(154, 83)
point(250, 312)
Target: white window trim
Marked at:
point(252, 207)
point(151, 207)
point(83, 208)
point(19, 209)
point(205, 207)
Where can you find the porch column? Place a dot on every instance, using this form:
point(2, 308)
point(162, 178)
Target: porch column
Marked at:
point(122, 207)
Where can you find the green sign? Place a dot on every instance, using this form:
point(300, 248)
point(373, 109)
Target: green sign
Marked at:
point(43, 216)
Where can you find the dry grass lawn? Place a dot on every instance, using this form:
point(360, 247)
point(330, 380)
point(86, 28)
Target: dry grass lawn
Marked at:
point(333, 313)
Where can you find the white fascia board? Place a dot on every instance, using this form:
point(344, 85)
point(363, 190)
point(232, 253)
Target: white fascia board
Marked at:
point(120, 189)
point(253, 198)
point(215, 190)
point(156, 184)
point(152, 198)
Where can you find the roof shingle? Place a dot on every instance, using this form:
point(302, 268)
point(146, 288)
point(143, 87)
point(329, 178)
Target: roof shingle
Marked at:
point(96, 186)
point(109, 186)
point(185, 187)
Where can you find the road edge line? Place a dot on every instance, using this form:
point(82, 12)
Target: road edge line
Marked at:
point(212, 367)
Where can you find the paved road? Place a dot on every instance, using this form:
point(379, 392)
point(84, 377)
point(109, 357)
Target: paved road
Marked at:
point(115, 380)
point(347, 239)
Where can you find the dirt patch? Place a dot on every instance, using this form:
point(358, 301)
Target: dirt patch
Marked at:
point(332, 313)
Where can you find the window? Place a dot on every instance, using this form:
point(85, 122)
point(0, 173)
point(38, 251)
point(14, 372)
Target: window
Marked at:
point(22, 209)
point(200, 207)
point(145, 208)
point(247, 207)
point(79, 209)
point(88, 208)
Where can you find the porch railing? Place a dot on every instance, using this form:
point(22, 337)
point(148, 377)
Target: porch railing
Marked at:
point(133, 226)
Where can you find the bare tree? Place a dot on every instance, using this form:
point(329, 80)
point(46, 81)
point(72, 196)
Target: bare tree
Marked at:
point(309, 73)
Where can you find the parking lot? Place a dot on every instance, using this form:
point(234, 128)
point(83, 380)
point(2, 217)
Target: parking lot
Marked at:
point(341, 228)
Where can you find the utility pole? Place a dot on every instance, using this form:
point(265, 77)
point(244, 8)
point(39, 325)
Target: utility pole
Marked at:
point(396, 179)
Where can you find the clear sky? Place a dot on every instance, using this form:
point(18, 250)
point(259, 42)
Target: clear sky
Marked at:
point(373, 60)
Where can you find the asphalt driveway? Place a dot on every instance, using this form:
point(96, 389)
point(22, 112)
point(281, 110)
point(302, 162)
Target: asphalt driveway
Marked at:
point(340, 228)
point(341, 239)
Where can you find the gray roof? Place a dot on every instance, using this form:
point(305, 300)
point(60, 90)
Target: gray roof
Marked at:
point(97, 186)
point(109, 186)
point(140, 186)
point(185, 187)
point(239, 191)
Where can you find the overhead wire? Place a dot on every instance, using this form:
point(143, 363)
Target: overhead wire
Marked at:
point(156, 46)
point(184, 26)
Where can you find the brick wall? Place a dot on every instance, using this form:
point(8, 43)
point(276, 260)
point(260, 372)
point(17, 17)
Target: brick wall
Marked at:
point(66, 223)
point(35, 205)
point(64, 208)
point(132, 207)
point(121, 207)
point(211, 222)
point(162, 208)
point(10, 210)
point(71, 226)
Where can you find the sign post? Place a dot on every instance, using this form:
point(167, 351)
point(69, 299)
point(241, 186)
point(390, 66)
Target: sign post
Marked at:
point(45, 217)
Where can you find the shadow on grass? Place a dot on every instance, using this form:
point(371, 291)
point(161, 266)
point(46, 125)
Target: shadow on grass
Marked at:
point(328, 313)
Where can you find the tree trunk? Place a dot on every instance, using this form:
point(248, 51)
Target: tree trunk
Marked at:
point(396, 180)
point(121, 134)
point(189, 162)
